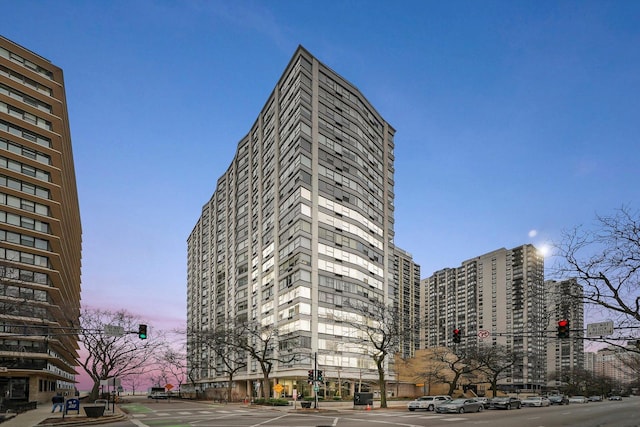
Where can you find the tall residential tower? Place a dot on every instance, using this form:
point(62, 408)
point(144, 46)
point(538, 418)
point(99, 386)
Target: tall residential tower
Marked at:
point(495, 298)
point(300, 227)
point(564, 301)
point(40, 232)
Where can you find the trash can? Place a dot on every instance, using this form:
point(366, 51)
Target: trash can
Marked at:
point(94, 411)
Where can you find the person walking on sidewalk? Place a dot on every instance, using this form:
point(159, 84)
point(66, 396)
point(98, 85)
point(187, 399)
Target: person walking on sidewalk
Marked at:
point(58, 401)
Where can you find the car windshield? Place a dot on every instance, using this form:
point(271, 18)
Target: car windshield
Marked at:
point(454, 401)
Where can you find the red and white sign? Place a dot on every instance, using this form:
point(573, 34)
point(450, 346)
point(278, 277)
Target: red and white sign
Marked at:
point(482, 333)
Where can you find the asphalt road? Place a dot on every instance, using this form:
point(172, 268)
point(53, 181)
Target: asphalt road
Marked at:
point(201, 414)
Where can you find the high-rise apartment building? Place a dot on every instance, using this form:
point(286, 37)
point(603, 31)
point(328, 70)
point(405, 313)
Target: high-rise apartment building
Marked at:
point(405, 291)
point(40, 231)
point(299, 228)
point(495, 298)
point(617, 364)
point(564, 302)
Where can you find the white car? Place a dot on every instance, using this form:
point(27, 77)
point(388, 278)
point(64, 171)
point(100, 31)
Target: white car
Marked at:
point(429, 403)
point(536, 401)
point(578, 399)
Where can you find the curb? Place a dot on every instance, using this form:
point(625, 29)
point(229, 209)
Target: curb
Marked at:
point(85, 422)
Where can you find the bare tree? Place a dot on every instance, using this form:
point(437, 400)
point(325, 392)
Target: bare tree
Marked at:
point(631, 362)
point(455, 366)
point(172, 363)
point(227, 346)
point(432, 372)
point(379, 334)
point(260, 342)
point(582, 381)
point(113, 356)
point(496, 361)
point(133, 380)
point(606, 262)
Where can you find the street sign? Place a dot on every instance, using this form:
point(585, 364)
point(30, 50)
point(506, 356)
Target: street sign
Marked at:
point(111, 382)
point(600, 329)
point(168, 386)
point(278, 388)
point(113, 330)
point(482, 333)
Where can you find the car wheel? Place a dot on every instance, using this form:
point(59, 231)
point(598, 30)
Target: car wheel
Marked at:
point(480, 408)
point(519, 406)
point(431, 408)
point(461, 411)
point(508, 406)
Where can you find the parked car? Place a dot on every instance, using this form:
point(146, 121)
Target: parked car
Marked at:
point(484, 400)
point(505, 403)
point(578, 399)
point(616, 397)
point(158, 395)
point(429, 403)
point(460, 406)
point(558, 399)
point(595, 398)
point(536, 401)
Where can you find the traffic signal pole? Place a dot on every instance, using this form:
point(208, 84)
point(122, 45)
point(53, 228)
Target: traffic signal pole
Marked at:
point(315, 378)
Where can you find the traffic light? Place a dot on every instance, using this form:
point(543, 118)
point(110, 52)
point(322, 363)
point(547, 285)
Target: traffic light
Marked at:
point(563, 328)
point(310, 376)
point(456, 335)
point(142, 332)
point(319, 376)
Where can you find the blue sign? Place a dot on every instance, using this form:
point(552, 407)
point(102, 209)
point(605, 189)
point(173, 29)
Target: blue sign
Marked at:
point(72, 405)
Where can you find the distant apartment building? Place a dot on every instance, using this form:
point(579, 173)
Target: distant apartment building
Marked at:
point(40, 231)
point(300, 227)
point(405, 290)
point(495, 298)
point(564, 302)
point(620, 365)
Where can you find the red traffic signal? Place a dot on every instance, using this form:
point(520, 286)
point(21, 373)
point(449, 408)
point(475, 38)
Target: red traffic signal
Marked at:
point(563, 328)
point(456, 335)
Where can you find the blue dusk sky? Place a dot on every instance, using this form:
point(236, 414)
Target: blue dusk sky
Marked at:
point(515, 120)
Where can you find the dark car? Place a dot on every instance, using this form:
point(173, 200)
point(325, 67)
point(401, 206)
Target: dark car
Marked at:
point(505, 403)
point(559, 399)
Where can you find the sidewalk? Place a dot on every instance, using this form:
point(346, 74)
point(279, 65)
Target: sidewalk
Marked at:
point(36, 416)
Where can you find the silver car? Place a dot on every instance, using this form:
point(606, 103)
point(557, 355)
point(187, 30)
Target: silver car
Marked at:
point(536, 401)
point(429, 403)
point(578, 399)
point(460, 406)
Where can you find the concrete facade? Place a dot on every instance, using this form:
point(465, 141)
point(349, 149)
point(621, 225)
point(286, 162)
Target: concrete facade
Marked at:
point(495, 298)
point(299, 227)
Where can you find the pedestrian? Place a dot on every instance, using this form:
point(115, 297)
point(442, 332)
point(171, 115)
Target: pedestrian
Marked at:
point(58, 401)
